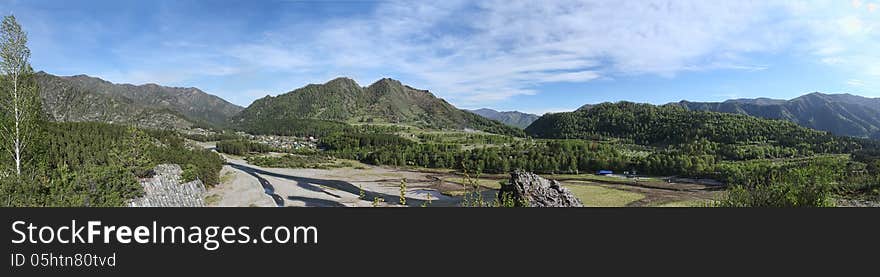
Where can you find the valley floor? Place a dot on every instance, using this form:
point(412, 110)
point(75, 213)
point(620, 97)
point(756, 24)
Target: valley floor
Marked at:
point(246, 185)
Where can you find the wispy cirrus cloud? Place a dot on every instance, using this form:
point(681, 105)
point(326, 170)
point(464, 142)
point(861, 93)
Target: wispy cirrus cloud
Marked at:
point(492, 50)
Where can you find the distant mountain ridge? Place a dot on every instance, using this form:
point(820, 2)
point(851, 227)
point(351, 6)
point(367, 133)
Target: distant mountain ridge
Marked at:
point(85, 98)
point(841, 114)
point(513, 118)
point(386, 101)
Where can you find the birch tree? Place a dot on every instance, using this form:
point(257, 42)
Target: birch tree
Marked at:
point(19, 99)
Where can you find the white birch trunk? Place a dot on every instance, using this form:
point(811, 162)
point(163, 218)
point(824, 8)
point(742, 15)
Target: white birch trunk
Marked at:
point(17, 139)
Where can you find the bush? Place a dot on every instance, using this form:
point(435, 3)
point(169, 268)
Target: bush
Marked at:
point(294, 161)
point(810, 186)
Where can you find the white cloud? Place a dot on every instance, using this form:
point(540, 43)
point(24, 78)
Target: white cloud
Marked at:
point(479, 52)
point(844, 37)
point(492, 50)
point(475, 53)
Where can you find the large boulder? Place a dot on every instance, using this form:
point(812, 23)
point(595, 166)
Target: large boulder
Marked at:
point(530, 190)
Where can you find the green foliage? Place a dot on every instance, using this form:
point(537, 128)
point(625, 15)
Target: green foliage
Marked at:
point(20, 106)
point(647, 124)
point(132, 152)
point(377, 129)
point(465, 138)
point(81, 164)
point(403, 191)
point(96, 186)
point(287, 126)
point(97, 165)
point(729, 163)
point(809, 185)
point(544, 156)
point(240, 147)
point(507, 200)
point(294, 161)
point(203, 164)
point(213, 137)
point(377, 200)
point(473, 195)
point(190, 173)
point(648, 139)
point(358, 145)
point(311, 109)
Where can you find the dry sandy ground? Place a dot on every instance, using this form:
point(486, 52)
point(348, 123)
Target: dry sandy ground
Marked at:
point(238, 189)
point(257, 186)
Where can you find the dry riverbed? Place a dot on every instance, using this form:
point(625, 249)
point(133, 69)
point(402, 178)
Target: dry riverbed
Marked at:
point(246, 185)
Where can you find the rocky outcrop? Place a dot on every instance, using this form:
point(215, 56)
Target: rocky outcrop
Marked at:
point(165, 190)
point(530, 190)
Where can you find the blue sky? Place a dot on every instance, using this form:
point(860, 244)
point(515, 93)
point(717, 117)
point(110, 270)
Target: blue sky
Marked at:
point(533, 56)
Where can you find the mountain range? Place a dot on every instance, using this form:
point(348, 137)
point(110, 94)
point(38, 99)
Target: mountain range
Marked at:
point(386, 101)
point(513, 118)
point(85, 98)
point(841, 114)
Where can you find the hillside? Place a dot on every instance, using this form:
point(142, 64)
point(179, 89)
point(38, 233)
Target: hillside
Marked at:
point(386, 101)
point(666, 125)
point(513, 118)
point(63, 101)
point(841, 114)
point(84, 98)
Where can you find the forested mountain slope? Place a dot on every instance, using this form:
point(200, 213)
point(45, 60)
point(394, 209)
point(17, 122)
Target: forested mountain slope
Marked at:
point(667, 125)
point(386, 101)
point(84, 98)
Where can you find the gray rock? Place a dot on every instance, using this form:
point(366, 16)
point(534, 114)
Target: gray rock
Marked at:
point(165, 190)
point(529, 189)
point(858, 203)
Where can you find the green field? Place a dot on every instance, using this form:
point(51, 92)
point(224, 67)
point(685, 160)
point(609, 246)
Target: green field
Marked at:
point(599, 196)
point(685, 204)
point(486, 183)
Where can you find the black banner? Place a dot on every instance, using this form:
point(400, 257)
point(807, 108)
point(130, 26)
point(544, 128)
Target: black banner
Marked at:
point(411, 241)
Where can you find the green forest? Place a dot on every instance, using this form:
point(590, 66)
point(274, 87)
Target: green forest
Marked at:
point(97, 165)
